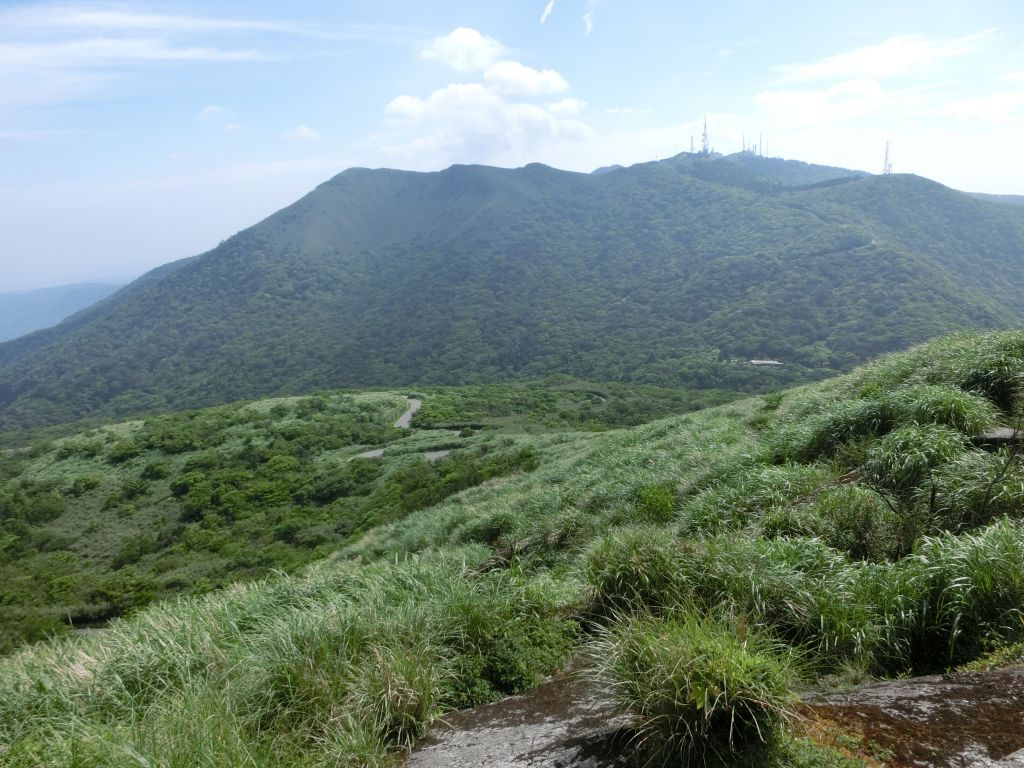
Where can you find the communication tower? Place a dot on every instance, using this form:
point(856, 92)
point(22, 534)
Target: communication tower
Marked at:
point(704, 137)
point(887, 165)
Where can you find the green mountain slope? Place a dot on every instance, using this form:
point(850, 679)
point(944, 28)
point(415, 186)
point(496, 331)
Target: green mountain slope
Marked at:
point(703, 567)
point(28, 311)
point(672, 272)
point(110, 519)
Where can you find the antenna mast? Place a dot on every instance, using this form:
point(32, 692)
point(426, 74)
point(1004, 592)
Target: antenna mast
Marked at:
point(704, 137)
point(887, 165)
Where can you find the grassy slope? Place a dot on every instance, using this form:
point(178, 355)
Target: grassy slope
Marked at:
point(110, 519)
point(662, 273)
point(845, 528)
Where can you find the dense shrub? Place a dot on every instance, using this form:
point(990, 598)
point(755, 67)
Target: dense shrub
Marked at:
point(902, 460)
point(749, 497)
point(943, 404)
point(702, 690)
point(857, 521)
point(635, 568)
point(821, 434)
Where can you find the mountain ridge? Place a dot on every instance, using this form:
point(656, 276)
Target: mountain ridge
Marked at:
point(665, 272)
point(24, 312)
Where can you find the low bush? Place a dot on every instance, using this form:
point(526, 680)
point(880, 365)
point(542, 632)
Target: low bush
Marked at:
point(902, 460)
point(702, 690)
point(944, 404)
point(633, 569)
point(749, 497)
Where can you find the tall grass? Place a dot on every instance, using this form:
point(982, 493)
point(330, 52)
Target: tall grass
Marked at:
point(703, 555)
point(375, 650)
point(701, 689)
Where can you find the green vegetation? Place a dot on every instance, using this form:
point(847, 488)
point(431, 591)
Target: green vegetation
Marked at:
point(557, 403)
point(106, 521)
point(703, 690)
point(102, 522)
point(671, 274)
point(860, 526)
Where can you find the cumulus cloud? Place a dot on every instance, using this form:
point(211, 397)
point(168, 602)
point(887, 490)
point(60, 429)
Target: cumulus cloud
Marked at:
point(470, 122)
point(569, 107)
point(464, 50)
point(547, 11)
point(513, 77)
point(506, 117)
point(301, 133)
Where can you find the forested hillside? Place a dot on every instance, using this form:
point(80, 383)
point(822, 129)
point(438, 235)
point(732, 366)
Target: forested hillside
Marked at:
point(22, 313)
point(672, 273)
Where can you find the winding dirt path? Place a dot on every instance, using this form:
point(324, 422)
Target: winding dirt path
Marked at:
point(405, 420)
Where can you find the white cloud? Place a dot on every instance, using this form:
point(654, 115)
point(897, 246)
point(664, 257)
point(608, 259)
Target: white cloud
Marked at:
point(547, 11)
point(628, 112)
point(70, 17)
point(232, 127)
point(51, 19)
point(588, 17)
point(408, 107)
point(513, 77)
point(1004, 108)
point(893, 57)
point(570, 107)
point(464, 50)
point(301, 133)
point(213, 112)
point(833, 103)
point(496, 120)
point(471, 123)
point(102, 51)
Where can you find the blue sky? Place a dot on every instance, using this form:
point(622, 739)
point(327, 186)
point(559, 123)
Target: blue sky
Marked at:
point(135, 133)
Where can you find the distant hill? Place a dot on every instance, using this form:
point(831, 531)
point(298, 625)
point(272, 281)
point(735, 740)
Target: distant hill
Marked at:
point(1005, 199)
point(673, 272)
point(28, 311)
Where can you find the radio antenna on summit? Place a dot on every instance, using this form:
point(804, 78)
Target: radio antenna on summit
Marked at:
point(887, 165)
point(704, 137)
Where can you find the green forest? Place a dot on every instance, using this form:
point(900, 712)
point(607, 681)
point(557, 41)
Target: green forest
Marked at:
point(672, 274)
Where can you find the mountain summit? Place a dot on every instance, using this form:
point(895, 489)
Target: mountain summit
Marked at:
point(674, 271)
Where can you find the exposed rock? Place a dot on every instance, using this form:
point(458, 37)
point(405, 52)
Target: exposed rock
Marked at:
point(946, 721)
point(564, 723)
